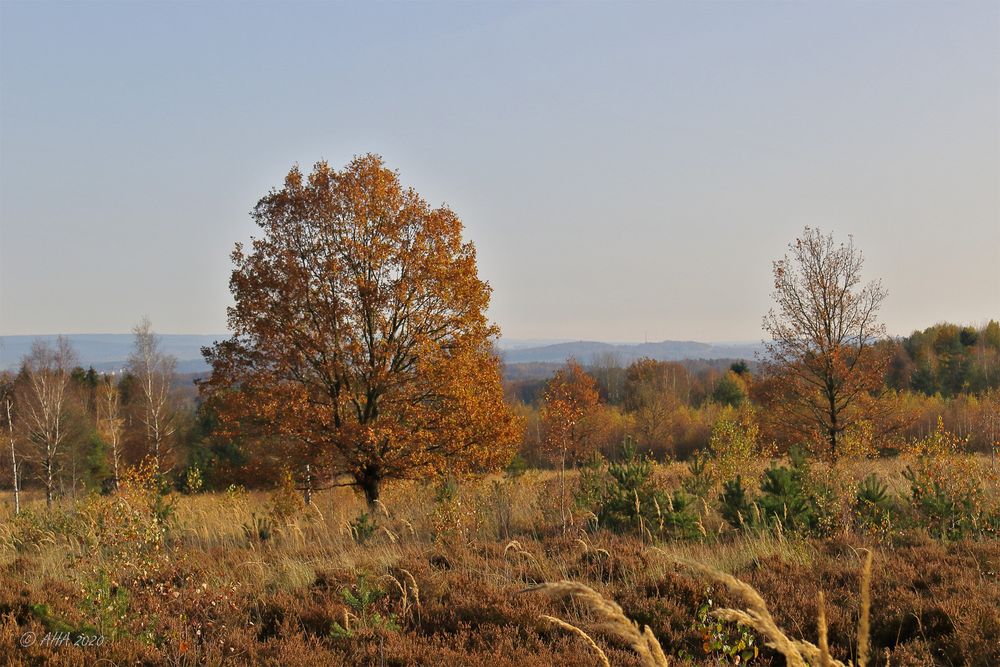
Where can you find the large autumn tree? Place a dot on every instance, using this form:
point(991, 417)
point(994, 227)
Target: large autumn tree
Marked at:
point(823, 364)
point(360, 343)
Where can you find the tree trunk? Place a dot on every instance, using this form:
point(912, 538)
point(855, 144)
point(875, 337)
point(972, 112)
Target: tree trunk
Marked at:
point(48, 483)
point(562, 490)
point(832, 397)
point(307, 492)
point(370, 483)
point(13, 459)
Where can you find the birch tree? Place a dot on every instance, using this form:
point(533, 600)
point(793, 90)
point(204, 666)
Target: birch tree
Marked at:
point(154, 372)
point(45, 383)
point(110, 423)
point(7, 390)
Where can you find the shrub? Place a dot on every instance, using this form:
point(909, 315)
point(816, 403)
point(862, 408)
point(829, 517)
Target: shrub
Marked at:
point(872, 492)
point(590, 484)
point(700, 482)
point(362, 599)
point(106, 604)
point(364, 527)
point(128, 532)
point(517, 467)
point(260, 527)
point(631, 501)
point(733, 444)
point(286, 500)
point(725, 641)
point(946, 486)
point(784, 497)
point(193, 480)
point(734, 504)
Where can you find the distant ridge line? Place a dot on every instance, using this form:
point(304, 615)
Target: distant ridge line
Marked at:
point(668, 350)
point(110, 351)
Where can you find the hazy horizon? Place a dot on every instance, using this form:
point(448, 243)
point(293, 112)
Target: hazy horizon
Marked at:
point(626, 171)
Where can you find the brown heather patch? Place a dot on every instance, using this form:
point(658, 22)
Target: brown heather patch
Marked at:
point(223, 596)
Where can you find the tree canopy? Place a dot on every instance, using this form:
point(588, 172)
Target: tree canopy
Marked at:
point(823, 361)
point(360, 339)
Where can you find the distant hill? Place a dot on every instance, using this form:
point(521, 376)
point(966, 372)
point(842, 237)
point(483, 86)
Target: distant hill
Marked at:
point(108, 352)
point(669, 350)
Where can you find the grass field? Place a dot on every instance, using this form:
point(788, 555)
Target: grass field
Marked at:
point(449, 576)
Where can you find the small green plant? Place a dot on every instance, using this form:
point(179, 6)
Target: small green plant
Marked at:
point(629, 498)
point(452, 519)
point(680, 520)
point(734, 504)
point(361, 599)
point(946, 485)
point(517, 467)
point(364, 527)
point(446, 490)
point(590, 484)
point(726, 642)
point(872, 492)
point(260, 527)
point(54, 624)
point(946, 515)
point(875, 509)
point(193, 480)
point(105, 603)
point(784, 499)
point(700, 482)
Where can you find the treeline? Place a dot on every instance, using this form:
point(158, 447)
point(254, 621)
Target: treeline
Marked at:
point(667, 408)
point(947, 359)
point(69, 430)
point(672, 408)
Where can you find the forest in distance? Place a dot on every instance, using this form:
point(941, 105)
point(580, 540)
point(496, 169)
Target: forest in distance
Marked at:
point(358, 478)
point(946, 370)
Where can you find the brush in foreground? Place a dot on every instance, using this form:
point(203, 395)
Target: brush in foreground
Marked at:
point(797, 652)
point(611, 620)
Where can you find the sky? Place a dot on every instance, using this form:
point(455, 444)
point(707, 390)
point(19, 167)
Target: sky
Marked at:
point(627, 171)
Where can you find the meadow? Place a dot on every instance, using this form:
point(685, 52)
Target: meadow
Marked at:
point(468, 572)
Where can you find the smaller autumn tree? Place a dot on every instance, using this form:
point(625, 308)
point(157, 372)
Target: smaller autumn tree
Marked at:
point(569, 404)
point(360, 343)
point(823, 363)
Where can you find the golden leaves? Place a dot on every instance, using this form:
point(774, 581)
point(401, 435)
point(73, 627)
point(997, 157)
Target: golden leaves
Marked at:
point(359, 326)
point(570, 397)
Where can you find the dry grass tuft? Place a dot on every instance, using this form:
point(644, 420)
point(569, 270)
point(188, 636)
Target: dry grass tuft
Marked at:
point(612, 621)
point(558, 622)
point(824, 644)
point(864, 623)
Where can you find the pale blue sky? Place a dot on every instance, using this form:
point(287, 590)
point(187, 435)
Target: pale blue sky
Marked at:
point(627, 171)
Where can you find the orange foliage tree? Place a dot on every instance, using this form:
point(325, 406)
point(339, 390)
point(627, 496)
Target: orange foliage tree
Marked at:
point(360, 340)
point(823, 364)
point(570, 403)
